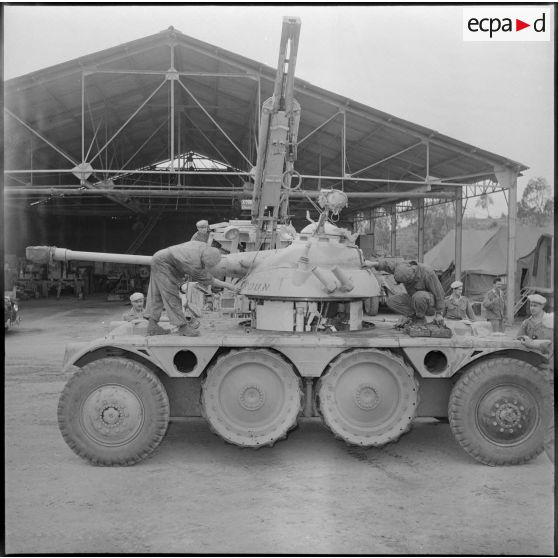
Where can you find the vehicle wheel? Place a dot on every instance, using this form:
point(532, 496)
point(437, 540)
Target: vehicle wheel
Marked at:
point(372, 305)
point(251, 397)
point(368, 397)
point(497, 411)
point(113, 411)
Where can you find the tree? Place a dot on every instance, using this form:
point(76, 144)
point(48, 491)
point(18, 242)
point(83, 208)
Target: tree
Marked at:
point(485, 201)
point(537, 203)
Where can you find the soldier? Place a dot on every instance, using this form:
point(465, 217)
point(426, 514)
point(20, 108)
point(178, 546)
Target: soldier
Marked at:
point(537, 332)
point(457, 306)
point(136, 312)
point(494, 304)
point(539, 325)
point(202, 234)
point(424, 296)
point(168, 268)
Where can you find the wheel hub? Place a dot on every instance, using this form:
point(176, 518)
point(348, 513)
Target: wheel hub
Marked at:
point(507, 415)
point(366, 397)
point(252, 397)
point(112, 415)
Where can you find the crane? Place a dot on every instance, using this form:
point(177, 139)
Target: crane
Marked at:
point(277, 143)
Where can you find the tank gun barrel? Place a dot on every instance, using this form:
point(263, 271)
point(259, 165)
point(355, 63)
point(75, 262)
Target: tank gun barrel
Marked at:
point(46, 254)
point(233, 265)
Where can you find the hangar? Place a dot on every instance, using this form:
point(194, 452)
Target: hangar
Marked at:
point(123, 150)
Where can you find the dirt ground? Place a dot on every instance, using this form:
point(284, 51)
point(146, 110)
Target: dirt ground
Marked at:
point(308, 494)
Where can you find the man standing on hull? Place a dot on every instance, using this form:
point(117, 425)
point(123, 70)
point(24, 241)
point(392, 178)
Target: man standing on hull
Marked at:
point(168, 268)
point(425, 295)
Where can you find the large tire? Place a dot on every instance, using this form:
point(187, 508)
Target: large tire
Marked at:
point(251, 397)
point(497, 411)
point(113, 411)
point(368, 397)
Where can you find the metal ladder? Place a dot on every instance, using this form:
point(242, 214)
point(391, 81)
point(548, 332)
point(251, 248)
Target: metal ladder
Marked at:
point(139, 240)
point(524, 293)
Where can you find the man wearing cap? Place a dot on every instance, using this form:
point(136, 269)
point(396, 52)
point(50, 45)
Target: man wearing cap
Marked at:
point(494, 305)
point(537, 332)
point(425, 295)
point(457, 306)
point(202, 234)
point(168, 268)
point(539, 325)
point(136, 312)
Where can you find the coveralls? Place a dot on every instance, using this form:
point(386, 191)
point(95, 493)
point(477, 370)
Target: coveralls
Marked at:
point(425, 295)
point(494, 304)
point(168, 268)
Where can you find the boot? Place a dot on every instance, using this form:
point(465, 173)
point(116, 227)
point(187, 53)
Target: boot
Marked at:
point(153, 328)
point(187, 331)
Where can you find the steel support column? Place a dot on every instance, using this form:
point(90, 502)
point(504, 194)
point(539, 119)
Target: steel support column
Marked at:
point(420, 240)
point(372, 231)
point(393, 245)
point(343, 150)
point(507, 178)
point(172, 76)
point(458, 236)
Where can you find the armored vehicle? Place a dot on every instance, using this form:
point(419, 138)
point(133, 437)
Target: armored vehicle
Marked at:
point(306, 349)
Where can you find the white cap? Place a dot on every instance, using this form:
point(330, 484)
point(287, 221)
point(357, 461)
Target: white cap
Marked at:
point(536, 298)
point(136, 296)
point(456, 284)
point(202, 223)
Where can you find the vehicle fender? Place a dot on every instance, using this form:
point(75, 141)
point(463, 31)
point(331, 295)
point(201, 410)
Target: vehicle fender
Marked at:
point(446, 361)
point(533, 357)
point(80, 354)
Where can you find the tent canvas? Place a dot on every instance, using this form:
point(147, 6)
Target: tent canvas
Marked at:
point(441, 256)
point(485, 254)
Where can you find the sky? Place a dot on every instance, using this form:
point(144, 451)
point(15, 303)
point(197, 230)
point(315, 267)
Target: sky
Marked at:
point(407, 60)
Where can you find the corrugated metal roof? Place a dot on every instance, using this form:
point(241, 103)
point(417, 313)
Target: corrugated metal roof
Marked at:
point(217, 101)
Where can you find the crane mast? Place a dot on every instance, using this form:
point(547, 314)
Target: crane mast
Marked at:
point(277, 143)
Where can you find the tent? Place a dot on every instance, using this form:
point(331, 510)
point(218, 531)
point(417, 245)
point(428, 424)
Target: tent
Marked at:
point(485, 254)
point(441, 256)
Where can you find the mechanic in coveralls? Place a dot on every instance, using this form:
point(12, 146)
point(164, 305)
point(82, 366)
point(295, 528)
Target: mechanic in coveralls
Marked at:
point(425, 295)
point(168, 268)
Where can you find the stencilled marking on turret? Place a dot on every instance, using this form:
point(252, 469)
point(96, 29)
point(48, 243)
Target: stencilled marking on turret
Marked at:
point(257, 287)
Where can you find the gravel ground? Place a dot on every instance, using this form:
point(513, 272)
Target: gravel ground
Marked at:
point(196, 494)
